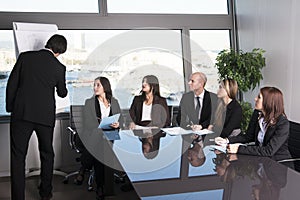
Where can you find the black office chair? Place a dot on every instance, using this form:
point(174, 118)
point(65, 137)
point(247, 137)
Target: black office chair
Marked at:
point(171, 114)
point(175, 111)
point(75, 142)
point(294, 147)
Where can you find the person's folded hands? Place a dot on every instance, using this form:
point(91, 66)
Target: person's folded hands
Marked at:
point(233, 148)
point(131, 126)
point(196, 127)
point(221, 141)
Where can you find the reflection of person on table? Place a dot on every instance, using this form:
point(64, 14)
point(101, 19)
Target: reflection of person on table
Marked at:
point(269, 176)
point(101, 105)
point(222, 162)
point(150, 141)
point(268, 128)
point(195, 152)
point(273, 177)
point(149, 108)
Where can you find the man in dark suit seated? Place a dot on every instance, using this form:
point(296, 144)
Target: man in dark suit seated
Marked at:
point(30, 99)
point(196, 107)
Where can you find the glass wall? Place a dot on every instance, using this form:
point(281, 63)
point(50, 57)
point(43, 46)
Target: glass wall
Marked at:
point(126, 47)
point(79, 6)
point(205, 46)
point(7, 61)
point(125, 57)
point(168, 6)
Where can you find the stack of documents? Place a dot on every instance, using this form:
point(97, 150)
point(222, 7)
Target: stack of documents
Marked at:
point(181, 131)
point(218, 147)
point(137, 127)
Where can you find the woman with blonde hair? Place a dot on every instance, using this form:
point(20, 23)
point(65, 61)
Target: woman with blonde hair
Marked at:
point(228, 116)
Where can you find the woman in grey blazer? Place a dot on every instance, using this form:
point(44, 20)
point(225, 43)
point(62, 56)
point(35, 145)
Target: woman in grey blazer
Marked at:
point(101, 104)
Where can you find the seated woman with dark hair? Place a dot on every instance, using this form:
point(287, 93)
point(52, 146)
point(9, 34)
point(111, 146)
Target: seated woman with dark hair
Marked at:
point(268, 128)
point(102, 104)
point(149, 108)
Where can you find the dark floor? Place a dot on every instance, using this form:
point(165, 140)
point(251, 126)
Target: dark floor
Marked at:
point(63, 191)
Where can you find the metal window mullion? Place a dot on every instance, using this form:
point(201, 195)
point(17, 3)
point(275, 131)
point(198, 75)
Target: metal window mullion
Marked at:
point(186, 56)
point(234, 43)
point(102, 7)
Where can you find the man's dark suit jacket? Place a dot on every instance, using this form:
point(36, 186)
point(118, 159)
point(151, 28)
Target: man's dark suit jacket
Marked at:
point(275, 144)
point(187, 112)
point(159, 114)
point(31, 86)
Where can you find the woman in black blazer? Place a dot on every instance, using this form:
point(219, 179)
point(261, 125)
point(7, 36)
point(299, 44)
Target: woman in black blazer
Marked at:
point(101, 105)
point(228, 116)
point(149, 108)
point(268, 128)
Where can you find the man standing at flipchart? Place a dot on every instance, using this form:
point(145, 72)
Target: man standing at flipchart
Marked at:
point(31, 101)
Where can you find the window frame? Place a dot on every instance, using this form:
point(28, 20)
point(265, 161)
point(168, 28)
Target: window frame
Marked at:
point(112, 21)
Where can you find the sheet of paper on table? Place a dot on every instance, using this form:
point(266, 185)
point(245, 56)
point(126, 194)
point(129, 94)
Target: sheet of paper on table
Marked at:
point(181, 131)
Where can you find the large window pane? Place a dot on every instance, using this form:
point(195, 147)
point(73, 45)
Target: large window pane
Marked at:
point(7, 61)
point(168, 6)
point(124, 57)
point(205, 46)
point(86, 6)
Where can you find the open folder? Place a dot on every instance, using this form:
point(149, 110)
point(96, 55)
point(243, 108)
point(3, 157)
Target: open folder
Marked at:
point(112, 134)
point(107, 121)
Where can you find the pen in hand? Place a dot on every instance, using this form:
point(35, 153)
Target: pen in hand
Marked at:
point(190, 125)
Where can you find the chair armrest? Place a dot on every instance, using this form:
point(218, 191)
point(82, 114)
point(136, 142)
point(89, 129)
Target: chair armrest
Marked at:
point(289, 160)
point(73, 134)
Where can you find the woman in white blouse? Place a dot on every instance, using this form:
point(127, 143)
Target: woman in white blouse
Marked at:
point(149, 108)
point(102, 104)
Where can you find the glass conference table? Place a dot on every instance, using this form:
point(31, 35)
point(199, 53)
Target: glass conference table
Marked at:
point(161, 166)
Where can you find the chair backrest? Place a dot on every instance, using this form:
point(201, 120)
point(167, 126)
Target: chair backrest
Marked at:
point(76, 126)
point(294, 139)
point(171, 114)
point(175, 112)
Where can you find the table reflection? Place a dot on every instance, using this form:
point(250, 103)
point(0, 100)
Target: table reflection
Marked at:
point(181, 167)
point(150, 141)
point(259, 177)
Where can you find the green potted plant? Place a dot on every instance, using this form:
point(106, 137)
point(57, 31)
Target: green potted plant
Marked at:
point(245, 68)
